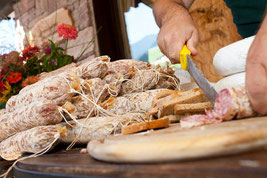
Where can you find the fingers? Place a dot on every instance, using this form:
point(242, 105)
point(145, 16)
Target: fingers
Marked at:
point(171, 42)
point(256, 85)
point(192, 42)
point(174, 52)
point(170, 46)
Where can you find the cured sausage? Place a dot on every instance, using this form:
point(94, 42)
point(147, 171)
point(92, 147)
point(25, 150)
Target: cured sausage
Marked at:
point(27, 117)
point(143, 80)
point(98, 127)
point(230, 103)
point(93, 69)
point(233, 102)
point(94, 92)
point(33, 140)
point(55, 88)
point(131, 103)
point(127, 66)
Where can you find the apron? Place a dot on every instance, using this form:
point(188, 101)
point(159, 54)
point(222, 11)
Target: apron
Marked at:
point(247, 15)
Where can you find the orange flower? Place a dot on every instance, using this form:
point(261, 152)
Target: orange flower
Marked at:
point(67, 31)
point(29, 80)
point(14, 77)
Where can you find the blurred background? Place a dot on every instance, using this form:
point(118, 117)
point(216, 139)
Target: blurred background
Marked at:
point(119, 28)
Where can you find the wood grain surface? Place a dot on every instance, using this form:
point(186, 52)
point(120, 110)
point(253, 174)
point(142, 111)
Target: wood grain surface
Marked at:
point(176, 143)
point(216, 28)
point(72, 163)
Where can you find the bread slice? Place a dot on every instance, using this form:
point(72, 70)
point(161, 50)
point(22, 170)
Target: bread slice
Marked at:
point(153, 124)
point(192, 108)
point(191, 96)
point(165, 101)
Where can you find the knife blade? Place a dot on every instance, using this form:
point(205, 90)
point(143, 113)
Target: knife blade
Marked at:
point(188, 64)
point(201, 80)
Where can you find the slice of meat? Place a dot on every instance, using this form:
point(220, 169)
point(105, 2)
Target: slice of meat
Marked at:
point(197, 120)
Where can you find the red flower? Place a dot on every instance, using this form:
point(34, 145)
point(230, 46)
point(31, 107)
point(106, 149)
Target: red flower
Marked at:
point(67, 31)
point(14, 77)
point(29, 80)
point(29, 52)
point(2, 87)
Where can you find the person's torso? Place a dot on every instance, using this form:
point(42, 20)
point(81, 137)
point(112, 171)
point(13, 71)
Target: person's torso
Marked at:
point(247, 15)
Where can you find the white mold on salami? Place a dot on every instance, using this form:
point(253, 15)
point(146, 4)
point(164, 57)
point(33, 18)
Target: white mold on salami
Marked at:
point(131, 103)
point(28, 116)
point(98, 127)
point(34, 140)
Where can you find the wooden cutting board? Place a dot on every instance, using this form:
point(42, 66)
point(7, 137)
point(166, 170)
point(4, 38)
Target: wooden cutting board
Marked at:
point(176, 143)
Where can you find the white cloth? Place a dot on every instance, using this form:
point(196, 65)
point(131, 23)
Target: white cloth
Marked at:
point(230, 61)
point(230, 81)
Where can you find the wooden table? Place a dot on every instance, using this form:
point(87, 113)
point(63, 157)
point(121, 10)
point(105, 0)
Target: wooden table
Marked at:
point(73, 164)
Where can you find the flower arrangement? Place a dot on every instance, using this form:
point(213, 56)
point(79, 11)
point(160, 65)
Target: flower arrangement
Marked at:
point(19, 70)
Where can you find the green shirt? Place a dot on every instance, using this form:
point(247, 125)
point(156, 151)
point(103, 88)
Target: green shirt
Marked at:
point(247, 15)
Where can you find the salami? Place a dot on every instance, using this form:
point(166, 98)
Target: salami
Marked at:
point(98, 127)
point(58, 71)
point(27, 117)
point(33, 140)
point(127, 66)
point(75, 66)
point(131, 103)
point(93, 69)
point(55, 88)
point(230, 103)
point(143, 80)
point(197, 120)
point(114, 81)
point(82, 107)
point(94, 91)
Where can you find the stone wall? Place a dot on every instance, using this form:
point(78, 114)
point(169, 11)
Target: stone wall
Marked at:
point(40, 18)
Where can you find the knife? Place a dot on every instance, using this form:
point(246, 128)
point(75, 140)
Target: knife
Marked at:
point(188, 64)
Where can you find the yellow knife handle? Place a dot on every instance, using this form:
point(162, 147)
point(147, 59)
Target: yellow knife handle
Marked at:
point(183, 59)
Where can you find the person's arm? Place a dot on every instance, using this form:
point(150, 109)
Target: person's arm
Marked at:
point(176, 27)
point(256, 71)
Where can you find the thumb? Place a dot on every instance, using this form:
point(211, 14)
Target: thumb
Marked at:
point(192, 43)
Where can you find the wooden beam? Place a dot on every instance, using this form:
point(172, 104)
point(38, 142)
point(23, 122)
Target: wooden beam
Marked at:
point(6, 7)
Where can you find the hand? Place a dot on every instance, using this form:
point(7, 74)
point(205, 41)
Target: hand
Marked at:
point(256, 72)
point(174, 33)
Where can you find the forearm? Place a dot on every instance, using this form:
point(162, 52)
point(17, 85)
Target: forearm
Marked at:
point(165, 9)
